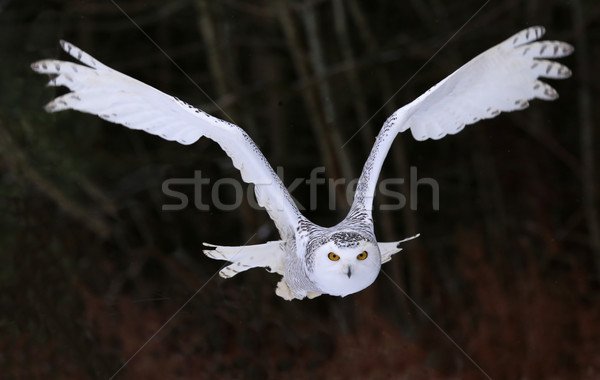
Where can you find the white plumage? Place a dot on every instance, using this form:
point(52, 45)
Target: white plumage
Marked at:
point(315, 260)
point(500, 79)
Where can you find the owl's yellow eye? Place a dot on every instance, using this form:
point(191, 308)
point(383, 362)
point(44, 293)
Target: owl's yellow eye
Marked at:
point(333, 257)
point(362, 256)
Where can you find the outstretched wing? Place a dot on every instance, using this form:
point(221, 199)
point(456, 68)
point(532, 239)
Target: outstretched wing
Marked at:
point(118, 98)
point(501, 79)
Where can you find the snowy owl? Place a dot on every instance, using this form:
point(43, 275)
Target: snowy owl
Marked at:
point(311, 259)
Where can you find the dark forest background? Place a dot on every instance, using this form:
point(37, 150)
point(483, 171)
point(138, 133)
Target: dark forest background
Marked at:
point(91, 267)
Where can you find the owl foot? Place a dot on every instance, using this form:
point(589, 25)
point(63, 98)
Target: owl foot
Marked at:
point(283, 291)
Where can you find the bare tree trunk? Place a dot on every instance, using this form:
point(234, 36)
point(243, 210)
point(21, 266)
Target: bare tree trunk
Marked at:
point(18, 160)
point(318, 62)
point(323, 137)
point(588, 159)
point(358, 98)
point(221, 71)
point(401, 168)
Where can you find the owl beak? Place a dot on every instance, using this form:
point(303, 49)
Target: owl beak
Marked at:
point(349, 273)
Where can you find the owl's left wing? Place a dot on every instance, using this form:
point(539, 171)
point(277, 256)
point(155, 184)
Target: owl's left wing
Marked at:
point(501, 79)
point(118, 98)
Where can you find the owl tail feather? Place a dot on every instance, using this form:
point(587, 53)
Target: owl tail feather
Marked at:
point(268, 255)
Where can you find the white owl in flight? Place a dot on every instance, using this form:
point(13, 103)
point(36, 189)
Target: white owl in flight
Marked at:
point(315, 260)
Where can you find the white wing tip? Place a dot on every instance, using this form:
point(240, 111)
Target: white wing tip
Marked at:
point(67, 47)
point(408, 239)
point(541, 30)
point(50, 107)
point(527, 35)
point(44, 66)
point(35, 66)
point(544, 91)
point(211, 250)
point(567, 49)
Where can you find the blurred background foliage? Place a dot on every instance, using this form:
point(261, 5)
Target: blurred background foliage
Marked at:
point(91, 267)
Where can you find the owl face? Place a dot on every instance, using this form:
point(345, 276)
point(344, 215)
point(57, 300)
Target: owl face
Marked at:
point(341, 269)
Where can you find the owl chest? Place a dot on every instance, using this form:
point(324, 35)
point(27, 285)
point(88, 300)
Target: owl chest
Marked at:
point(297, 268)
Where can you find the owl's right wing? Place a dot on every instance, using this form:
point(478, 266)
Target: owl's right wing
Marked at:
point(118, 98)
point(501, 79)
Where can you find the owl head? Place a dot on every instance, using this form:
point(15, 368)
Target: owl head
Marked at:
point(346, 263)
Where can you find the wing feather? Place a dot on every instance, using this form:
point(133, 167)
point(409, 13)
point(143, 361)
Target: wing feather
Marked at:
point(501, 79)
point(118, 98)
